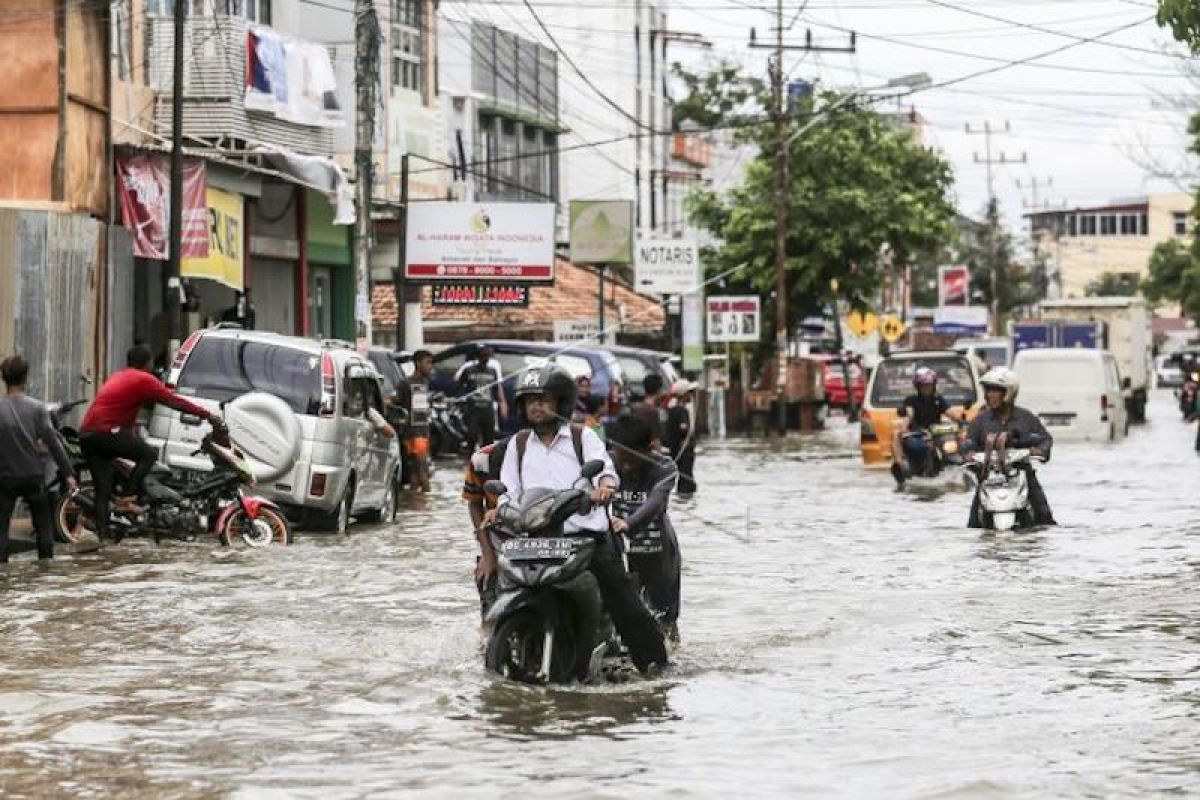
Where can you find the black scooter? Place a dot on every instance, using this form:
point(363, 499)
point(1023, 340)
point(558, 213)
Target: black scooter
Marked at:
point(547, 600)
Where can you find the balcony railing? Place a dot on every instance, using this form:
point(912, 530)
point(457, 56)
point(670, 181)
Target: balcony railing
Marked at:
point(215, 88)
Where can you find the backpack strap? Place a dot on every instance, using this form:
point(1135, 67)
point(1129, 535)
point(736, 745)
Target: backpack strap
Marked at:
point(522, 440)
point(577, 441)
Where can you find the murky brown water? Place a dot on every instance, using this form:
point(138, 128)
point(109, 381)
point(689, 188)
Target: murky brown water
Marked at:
point(839, 640)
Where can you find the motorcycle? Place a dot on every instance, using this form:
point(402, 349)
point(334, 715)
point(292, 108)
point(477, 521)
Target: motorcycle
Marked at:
point(447, 425)
point(185, 505)
point(940, 470)
point(547, 600)
point(1004, 489)
point(1186, 396)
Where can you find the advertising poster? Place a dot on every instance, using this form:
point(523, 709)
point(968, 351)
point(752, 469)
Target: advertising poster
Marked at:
point(504, 242)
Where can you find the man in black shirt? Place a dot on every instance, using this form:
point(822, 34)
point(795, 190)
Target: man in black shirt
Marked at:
point(484, 394)
point(918, 412)
point(640, 514)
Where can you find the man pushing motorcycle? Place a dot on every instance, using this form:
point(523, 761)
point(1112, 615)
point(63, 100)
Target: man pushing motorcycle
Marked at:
point(912, 446)
point(1003, 424)
point(551, 455)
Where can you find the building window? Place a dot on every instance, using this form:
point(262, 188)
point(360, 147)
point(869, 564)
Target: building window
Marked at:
point(253, 10)
point(1129, 224)
point(1180, 220)
point(408, 51)
point(1108, 224)
point(1072, 227)
point(1143, 224)
point(1087, 224)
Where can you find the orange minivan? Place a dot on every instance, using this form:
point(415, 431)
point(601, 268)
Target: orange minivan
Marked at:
point(892, 381)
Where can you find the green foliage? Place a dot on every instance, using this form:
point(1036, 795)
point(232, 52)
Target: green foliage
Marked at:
point(1183, 18)
point(861, 193)
point(1114, 284)
point(1174, 277)
point(715, 98)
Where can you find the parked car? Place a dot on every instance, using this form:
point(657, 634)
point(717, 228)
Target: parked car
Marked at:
point(345, 468)
point(833, 377)
point(637, 362)
point(892, 381)
point(516, 357)
point(1076, 392)
point(1167, 373)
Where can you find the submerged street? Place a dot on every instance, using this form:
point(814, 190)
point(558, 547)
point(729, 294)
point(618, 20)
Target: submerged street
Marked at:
point(839, 639)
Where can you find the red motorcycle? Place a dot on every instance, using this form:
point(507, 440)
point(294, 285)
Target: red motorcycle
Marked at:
point(185, 505)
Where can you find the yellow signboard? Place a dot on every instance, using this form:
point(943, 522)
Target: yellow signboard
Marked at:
point(891, 328)
point(224, 263)
point(862, 325)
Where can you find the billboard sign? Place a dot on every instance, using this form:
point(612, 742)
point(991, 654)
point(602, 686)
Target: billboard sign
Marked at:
point(667, 266)
point(226, 229)
point(504, 242)
point(479, 294)
point(954, 286)
point(734, 318)
point(961, 320)
point(601, 232)
point(580, 331)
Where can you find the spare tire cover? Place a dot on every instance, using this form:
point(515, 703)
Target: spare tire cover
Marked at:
point(265, 429)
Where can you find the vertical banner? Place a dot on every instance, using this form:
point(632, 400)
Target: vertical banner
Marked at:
point(601, 232)
point(954, 286)
point(693, 332)
point(223, 263)
point(144, 189)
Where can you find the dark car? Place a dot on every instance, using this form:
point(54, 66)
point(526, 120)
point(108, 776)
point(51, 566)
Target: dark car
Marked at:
point(516, 357)
point(637, 362)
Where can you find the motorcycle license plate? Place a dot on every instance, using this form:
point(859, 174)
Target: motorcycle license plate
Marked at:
point(1058, 419)
point(537, 549)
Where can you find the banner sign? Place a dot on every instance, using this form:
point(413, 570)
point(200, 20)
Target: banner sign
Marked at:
point(693, 332)
point(954, 286)
point(506, 242)
point(667, 266)
point(601, 231)
point(223, 263)
point(144, 189)
point(734, 319)
point(291, 79)
point(477, 294)
point(961, 320)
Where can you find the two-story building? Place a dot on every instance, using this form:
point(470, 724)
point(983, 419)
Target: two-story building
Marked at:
point(1082, 244)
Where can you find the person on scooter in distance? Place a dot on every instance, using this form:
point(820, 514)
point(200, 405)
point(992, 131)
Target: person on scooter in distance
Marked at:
point(552, 456)
point(918, 412)
point(107, 431)
point(1004, 425)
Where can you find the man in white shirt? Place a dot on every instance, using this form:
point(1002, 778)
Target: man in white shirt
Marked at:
point(553, 455)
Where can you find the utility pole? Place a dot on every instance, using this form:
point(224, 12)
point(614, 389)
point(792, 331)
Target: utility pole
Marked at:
point(993, 213)
point(779, 118)
point(366, 85)
point(398, 280)
point(171, 278)
point(1034, 185)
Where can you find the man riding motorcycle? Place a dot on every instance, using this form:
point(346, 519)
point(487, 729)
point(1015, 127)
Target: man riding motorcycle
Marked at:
point(911, 444)
point(551, 455)
point(1003, 424)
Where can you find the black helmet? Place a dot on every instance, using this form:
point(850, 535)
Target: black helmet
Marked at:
point(552, 380)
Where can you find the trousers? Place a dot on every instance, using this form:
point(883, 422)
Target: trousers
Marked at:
point(660, 573)
point(33, 491)
point(100, 449)
point(633, 621)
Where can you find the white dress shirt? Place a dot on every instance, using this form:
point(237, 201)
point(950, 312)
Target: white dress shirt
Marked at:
point(557, 467)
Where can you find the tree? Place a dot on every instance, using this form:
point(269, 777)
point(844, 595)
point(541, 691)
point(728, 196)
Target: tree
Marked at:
point(1174, 277)
point(992, 251)
point(1114, 284)
point(1183, 18)
point(862, 195)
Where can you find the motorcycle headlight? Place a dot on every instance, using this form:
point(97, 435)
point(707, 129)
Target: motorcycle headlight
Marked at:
point(950, 448)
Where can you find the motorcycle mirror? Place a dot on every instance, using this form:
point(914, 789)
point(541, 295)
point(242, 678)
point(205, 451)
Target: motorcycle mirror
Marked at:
point(189, 419)
point(495, 487)
point(592, 468)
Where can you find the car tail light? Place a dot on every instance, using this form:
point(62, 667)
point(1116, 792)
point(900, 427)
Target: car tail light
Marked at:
point(866, 428)
point(1104, 408)
point(316, 485)
point(328, 389)
point(181, 357)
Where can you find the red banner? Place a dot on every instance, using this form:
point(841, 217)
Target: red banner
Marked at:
point(144, 186)
point(954, 286)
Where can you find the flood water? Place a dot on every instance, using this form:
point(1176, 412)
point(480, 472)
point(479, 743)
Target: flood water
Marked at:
point(839, 640)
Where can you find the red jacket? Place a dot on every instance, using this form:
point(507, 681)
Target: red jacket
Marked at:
point(123, 394)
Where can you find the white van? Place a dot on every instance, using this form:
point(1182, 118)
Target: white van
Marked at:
point(1075, 392)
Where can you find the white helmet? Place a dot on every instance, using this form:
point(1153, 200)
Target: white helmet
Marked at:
point(1002, 378)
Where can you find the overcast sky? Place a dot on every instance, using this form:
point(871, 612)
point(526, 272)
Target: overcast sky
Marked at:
point(1084, 127)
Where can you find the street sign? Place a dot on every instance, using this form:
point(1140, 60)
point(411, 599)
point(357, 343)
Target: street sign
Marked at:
point(667, 266)
point(862, 325)
point(734, 318)
point(891, 328)
point(961, 320)
point(582, 331)
point(601, 231)
point(457, 294)
point(503, 242)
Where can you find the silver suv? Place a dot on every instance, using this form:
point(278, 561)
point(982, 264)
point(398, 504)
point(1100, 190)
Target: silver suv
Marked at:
point(345, 467)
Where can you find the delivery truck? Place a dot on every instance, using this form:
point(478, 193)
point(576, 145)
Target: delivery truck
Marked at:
point(1120, 325)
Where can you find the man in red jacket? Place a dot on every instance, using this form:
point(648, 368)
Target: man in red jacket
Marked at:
point(107, 431)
